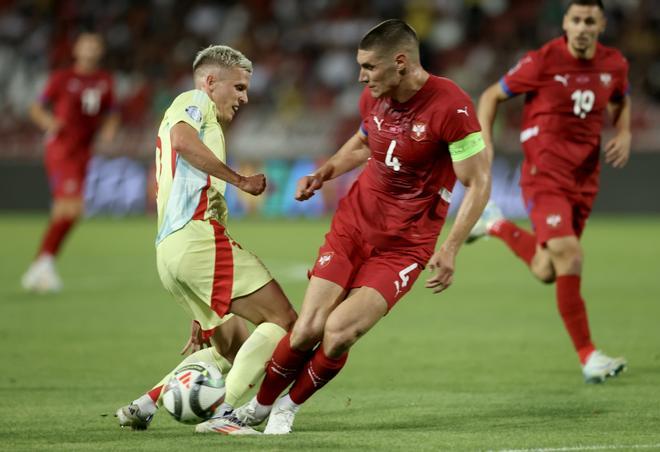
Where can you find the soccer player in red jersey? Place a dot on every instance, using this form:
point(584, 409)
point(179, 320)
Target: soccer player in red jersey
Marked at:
point(568, 84)
point(76, 103)
point(419, 133)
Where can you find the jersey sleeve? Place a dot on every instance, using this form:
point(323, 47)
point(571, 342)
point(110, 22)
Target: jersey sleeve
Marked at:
point(364, 104)
point(191, 107)
point(109, 104)
point(460, 127)
point(622, 87)
point(523, 77)
point(54, 86)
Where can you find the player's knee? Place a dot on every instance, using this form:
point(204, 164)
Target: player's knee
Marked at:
point(305, 335)
point(567, 257)
point(544, 273)
point(337, 338)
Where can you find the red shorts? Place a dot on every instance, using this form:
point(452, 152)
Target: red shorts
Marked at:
point(66, 176)
point(555, 214)
point(349, 262)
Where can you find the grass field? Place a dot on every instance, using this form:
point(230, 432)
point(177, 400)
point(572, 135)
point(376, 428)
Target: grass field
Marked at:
point(484, 366)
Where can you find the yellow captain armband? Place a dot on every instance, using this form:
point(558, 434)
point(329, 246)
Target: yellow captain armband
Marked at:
point(466, 147)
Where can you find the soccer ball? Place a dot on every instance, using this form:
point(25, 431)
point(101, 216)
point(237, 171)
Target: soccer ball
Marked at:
point(194, 392)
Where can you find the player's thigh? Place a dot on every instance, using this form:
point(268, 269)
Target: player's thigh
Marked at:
point(356, 315)
point(550, 212)
point(266, 304)
point(66, 176)
point(391, 274)
point(188, 268)
point(321, 298)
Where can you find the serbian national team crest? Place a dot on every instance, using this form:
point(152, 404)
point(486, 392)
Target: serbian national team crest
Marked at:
point(325, 258)
point(418, 131)
point(553, 220)
point(605, 78)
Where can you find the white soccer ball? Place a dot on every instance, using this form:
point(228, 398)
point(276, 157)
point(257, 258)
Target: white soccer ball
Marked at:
point(194, 392)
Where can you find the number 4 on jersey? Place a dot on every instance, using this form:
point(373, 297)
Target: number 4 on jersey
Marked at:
point(390, 160)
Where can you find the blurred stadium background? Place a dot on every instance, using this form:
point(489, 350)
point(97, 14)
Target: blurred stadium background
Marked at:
point(303, 98)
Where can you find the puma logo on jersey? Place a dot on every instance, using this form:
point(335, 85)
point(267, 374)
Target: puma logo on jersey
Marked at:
point(378, 122)
point(462, 110)
point(563, 79)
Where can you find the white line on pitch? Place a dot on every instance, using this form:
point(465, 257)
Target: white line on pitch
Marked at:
point(565, 449)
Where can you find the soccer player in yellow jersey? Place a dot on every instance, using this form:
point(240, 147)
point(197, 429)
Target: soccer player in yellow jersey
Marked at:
point(208, 273)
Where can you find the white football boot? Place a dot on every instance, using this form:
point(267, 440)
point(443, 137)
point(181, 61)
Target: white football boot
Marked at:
point(41, 276)
point(225, 425)
point(599, 366)
point(491, 215)
point(131, 416)
point(252, 413)
point(281, 417)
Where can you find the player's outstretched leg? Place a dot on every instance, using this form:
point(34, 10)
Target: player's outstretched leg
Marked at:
point(491, 215)
point(227, 339)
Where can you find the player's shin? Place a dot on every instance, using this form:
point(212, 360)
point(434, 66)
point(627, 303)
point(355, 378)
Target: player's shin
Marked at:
point(574, 314)
point(281, 370)
point(316, 374)
point(521, 242)
point(250, 361)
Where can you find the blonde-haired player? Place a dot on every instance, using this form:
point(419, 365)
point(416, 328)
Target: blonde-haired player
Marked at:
point(206, 271)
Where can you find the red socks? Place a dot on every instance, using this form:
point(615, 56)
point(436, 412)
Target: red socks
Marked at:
point(318, 371)
point(281, 370)
point(521, 242)
point(573, 312)
point(55, 235)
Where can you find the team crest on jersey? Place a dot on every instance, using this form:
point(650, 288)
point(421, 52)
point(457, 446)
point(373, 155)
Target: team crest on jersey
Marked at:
point(194, 113)
point(605, 78)
point(418, 130)
point(325, 258)
point(553, 220)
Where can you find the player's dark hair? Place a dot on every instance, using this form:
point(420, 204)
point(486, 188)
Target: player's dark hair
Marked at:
point(392, 33)
point(598, 3)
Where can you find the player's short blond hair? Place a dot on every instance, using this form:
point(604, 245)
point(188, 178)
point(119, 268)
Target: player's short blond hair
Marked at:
point(223, 56)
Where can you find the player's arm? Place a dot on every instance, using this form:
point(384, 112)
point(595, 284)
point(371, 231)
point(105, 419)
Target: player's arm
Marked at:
point(474, 174)
point(44, 118)
point(486, 111)
point(617, 150)
point(187, 144)
point(109, 127)
point(352, 154)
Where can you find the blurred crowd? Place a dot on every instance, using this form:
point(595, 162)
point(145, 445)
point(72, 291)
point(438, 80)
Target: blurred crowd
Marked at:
point(303, 96)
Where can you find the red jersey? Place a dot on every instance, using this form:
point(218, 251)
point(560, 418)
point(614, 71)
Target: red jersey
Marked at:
point(79, 101)
point(402, 196)
point(566, 98)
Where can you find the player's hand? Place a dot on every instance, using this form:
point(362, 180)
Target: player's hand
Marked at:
point(617, 150)
point(53, 127)
point(196, 341)
point(254, 185)
point(442, 265)
point(307, 185)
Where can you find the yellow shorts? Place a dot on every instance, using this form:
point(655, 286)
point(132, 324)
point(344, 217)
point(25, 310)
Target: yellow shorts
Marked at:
point(204, 269)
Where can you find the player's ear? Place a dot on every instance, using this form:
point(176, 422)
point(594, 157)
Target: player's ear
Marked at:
point(401, 62)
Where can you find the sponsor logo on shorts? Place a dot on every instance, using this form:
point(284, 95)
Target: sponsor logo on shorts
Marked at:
point(194, 113)
point(553, 220)
point(403, 274)
point(325, 258)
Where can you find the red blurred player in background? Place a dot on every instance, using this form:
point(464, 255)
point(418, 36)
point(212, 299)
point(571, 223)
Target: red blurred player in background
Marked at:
point(568, 83)
point(76, 103)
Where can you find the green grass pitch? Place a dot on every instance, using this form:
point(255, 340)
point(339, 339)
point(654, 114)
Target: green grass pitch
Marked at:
point(485, 366)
